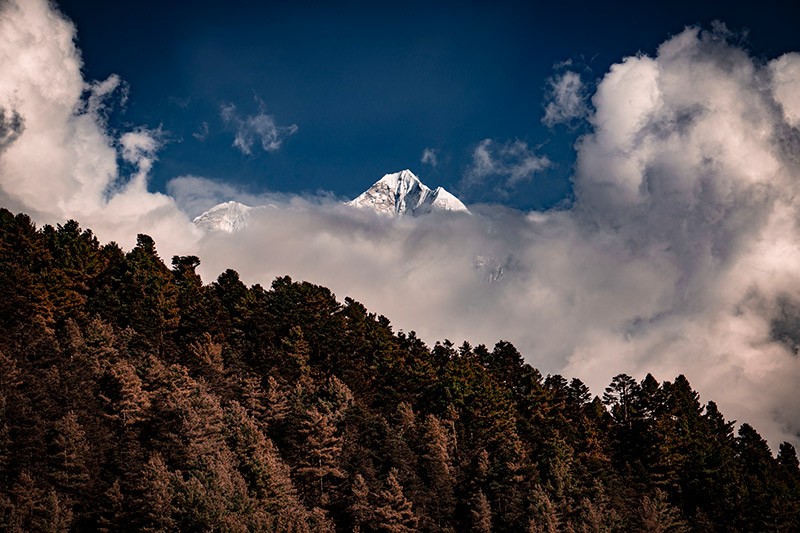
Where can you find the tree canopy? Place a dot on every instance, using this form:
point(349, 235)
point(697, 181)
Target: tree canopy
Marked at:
point(135, 397)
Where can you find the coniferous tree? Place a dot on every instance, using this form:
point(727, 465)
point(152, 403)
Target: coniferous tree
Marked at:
point(196, 309)
point(393, 512)
point(718, 482)
point(787, 458)
point(268, 478)
point(10, 379)
point(154, 497)
point(658, 516)
point(112, 509)
point(151, 294)
point(620, 396)
point(319, 459)
point(123, 395)
point(437, 468)
point(276, 402)
point(756, 463)
point(544, 517)
point(133, 397)
point(481, 514)
point(361, 509)
point(69, 458)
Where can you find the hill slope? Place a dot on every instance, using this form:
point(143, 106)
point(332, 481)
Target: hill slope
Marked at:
point(133, 396)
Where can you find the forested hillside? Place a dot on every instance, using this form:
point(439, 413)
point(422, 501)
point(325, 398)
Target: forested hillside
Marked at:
point(133, 397)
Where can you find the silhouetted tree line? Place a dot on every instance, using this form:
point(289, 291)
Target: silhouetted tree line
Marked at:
point(133, 397)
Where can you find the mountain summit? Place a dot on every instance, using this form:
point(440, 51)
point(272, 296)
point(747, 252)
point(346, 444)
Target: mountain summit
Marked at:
point(395, 194)
point(227, 217)
point(402, 193)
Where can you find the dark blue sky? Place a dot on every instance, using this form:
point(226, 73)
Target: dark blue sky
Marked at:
point(371, 84)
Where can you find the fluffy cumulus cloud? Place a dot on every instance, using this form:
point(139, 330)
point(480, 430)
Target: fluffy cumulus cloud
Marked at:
point(692, 169)
point(59, 159)
point(502, 165)
point(565, 99)
point(679, 254)
point(260, 128)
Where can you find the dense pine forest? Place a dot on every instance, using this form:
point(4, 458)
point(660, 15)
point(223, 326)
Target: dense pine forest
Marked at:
point(134, 397)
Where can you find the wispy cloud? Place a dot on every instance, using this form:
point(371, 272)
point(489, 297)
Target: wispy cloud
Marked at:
point(140, 148)
point(565, 99)
point(508, 164)
point(260, 128)
point(196, 194)
point(100, 92)
point(430, 156)
point(202, 133)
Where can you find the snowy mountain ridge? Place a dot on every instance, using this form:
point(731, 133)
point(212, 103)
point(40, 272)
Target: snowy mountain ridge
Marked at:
point(227, 217)
point(397, 194)
point(402, 193)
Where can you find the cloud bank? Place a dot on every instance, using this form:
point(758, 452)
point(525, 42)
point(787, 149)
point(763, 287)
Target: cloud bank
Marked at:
point(679, 254)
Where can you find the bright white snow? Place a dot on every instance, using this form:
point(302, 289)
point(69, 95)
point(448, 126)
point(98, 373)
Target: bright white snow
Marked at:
point(398, 194)
point(402, 193)
point(228, 217)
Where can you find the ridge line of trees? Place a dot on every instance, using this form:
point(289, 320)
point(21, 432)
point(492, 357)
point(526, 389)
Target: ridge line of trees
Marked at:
point(134, 397)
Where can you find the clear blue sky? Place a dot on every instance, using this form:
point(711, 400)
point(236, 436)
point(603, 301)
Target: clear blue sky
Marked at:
point(370, 85)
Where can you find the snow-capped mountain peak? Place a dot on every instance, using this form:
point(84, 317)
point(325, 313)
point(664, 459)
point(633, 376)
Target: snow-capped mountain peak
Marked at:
point(396, 194)
point(402, 193)
point(228, 217)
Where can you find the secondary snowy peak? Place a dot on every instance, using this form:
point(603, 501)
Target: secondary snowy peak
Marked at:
point(402, 193)
point(227, 217)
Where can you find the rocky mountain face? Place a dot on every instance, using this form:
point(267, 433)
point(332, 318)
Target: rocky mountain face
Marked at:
point(402, 193)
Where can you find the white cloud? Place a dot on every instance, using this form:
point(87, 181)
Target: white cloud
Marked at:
point(259, 128)
point(195, 194)
point(679, 254)
point(512, 162)
point(430, 156)
point(202, 133)
point(786, 76)
point(101, 91)
point(692, 164)
point(61, 162)
point(565, 99)
point(140, 146)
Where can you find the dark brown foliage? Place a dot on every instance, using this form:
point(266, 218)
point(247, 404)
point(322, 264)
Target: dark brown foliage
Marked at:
point(134, 397)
